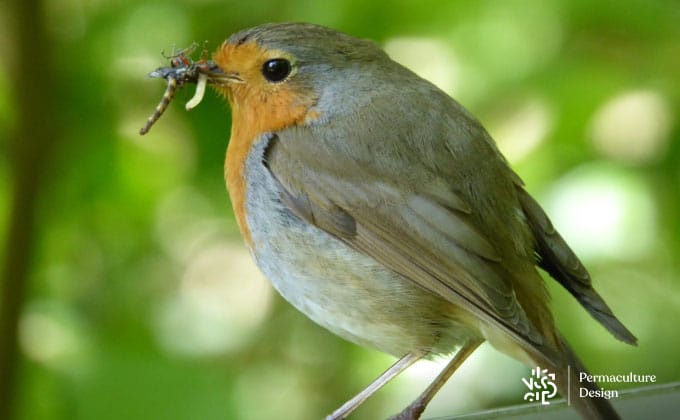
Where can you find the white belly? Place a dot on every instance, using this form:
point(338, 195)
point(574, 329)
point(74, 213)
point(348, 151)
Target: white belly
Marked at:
point(339, 288)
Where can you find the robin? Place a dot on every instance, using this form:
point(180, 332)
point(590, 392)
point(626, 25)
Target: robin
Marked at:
point(382, 209)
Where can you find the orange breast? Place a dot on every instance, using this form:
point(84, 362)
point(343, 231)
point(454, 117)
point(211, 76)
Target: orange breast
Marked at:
point(257, 107)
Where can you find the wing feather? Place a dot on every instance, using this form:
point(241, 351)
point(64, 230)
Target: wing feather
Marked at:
point(429, 242)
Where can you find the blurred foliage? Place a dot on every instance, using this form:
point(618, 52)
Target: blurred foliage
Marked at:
point(142, 302)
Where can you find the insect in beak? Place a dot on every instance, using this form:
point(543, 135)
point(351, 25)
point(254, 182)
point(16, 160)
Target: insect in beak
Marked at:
point(184, 70)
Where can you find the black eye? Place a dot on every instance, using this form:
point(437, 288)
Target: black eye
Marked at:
point(276, 70)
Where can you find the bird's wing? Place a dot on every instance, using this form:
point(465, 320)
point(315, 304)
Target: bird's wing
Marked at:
point(563, 265)
point(396, 207)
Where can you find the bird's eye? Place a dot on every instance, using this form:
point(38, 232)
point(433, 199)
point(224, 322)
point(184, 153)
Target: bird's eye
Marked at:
point(276, 70)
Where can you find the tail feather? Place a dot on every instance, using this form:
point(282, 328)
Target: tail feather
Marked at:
point(563, 265)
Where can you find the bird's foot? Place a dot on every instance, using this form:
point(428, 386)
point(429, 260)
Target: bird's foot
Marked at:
point(412, 412)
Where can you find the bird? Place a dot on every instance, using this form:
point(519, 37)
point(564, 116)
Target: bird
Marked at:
point(382, 209)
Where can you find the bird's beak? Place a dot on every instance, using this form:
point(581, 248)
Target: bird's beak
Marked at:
point(218, 77)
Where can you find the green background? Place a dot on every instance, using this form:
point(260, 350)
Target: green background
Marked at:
point(134, 296)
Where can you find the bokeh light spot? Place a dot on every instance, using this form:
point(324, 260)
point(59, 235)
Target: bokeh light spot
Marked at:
point(276, 391)
point(430, 58)
point(50, 334)
point(633, 126)
point(521, 126)
point(604, 211)
point(221, 300)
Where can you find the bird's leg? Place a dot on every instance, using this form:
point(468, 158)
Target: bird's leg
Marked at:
point(416, 408)
point(394, 370)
